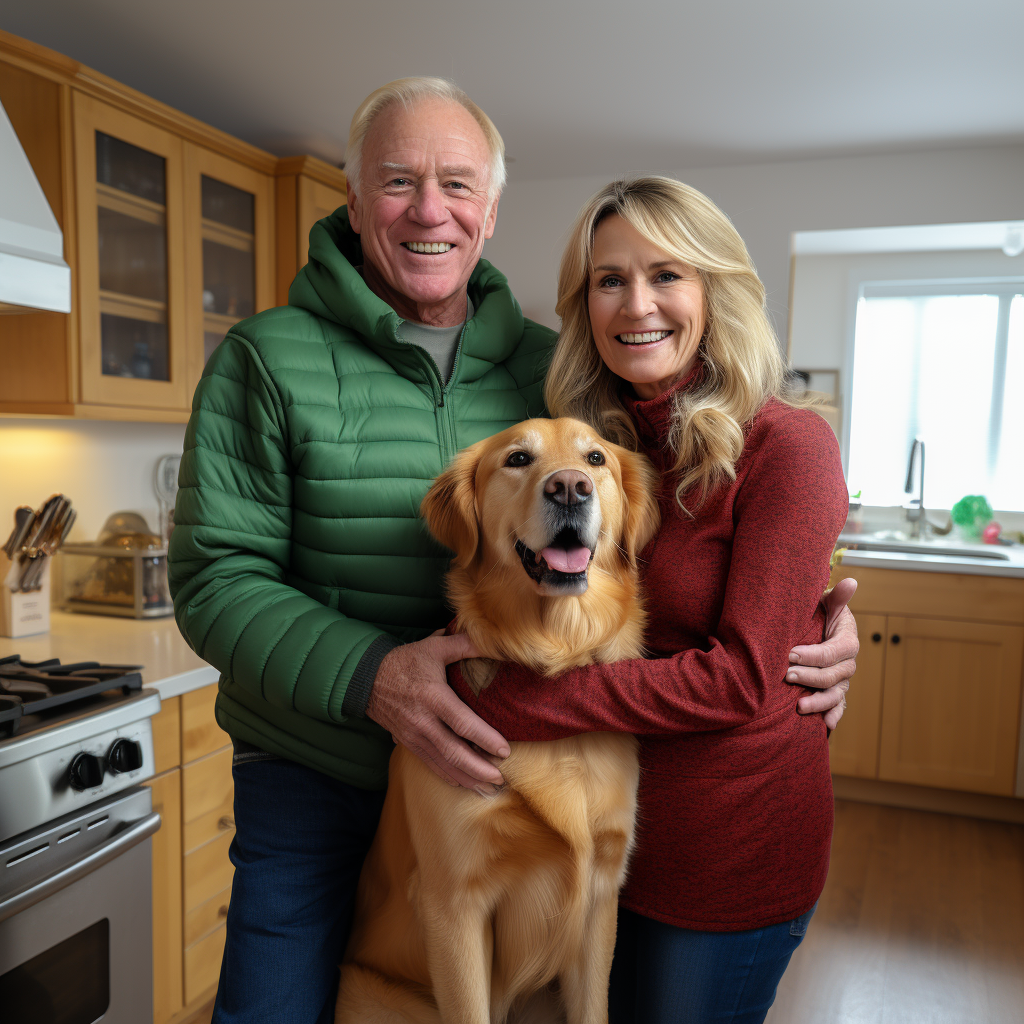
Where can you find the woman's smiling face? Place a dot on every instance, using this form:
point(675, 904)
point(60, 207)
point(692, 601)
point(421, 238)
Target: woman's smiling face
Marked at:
point(646, 309)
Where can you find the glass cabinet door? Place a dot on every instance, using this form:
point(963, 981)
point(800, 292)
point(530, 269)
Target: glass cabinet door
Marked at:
point(230, 248)
point(131, 268)
point(229, 259)
point(131, 194)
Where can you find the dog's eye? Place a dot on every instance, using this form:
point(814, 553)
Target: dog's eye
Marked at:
point(595, 459)
point(518, 459)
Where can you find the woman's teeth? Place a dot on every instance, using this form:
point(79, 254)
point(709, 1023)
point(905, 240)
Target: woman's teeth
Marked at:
point(428, 246)
point(643, 339)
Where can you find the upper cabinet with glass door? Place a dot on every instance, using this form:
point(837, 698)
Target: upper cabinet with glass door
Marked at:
point(170, 232)
point(229, 229)
point(131, 261)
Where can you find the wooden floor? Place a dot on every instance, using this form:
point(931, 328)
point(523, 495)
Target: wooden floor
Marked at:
point(921, 922)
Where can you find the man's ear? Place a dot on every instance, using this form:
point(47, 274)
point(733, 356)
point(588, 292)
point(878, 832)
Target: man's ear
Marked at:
point(639, 481)
point(449, 509)
point(492, 217)
point(355, 213)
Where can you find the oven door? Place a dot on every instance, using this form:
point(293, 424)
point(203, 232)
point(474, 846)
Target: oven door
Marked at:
point(76, 917)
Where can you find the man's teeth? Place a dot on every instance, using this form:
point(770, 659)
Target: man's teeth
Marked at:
point(428, 246)
point(643, 339)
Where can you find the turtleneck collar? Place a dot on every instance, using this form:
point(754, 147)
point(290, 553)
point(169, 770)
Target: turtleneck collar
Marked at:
point(653, 416)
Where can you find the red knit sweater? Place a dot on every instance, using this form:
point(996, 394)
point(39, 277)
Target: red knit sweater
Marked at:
point(735, 818)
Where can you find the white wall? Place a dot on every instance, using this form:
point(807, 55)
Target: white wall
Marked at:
point(101, 467)
point(824, 298)
point(767, 202)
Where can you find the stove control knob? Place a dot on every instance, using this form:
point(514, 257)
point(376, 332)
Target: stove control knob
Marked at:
point(86, 771)
point(124, 756)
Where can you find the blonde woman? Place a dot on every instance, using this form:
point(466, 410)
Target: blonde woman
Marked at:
point(665, 347)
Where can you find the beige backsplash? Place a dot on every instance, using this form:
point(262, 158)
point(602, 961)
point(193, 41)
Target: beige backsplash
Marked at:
point(101, 467)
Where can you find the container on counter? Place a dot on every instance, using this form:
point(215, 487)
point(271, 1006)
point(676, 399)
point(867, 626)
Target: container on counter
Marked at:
point(123, 573)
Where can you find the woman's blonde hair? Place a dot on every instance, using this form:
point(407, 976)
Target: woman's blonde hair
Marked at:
point(407, 91)
point(739, 349)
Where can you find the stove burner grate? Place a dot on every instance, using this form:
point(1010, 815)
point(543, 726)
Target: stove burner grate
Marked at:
point(27, 688)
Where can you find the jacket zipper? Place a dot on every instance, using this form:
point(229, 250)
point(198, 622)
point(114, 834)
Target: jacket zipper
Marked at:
point(447, 438)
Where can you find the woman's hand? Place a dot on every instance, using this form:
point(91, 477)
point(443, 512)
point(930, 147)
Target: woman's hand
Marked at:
point(829, 665)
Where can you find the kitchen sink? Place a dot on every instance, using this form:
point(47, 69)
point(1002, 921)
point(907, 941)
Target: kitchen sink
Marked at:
point(924, 548)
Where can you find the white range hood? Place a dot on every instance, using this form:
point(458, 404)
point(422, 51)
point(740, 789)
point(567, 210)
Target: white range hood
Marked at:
point(32, 268)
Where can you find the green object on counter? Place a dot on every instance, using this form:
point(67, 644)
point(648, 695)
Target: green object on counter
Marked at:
point(971, 513)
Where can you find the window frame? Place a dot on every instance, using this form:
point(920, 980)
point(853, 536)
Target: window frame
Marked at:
point(1005, 287)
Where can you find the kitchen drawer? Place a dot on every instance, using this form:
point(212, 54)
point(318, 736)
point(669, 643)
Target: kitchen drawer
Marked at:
point(206, 799)
point(200, 733)
point(167, 736)
point(202, 964)
point(207, 871)
point(206, 918)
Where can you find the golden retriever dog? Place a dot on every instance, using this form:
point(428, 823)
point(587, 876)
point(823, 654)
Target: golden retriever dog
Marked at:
point(482, 910)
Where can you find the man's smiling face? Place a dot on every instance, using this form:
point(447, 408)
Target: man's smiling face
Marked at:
point(422, 207)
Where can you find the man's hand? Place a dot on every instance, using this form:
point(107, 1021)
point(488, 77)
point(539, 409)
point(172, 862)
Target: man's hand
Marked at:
point(411, 698)
point(828, 666)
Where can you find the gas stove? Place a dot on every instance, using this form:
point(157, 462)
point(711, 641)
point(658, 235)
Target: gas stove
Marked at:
point(69, 735)
point(75, 850)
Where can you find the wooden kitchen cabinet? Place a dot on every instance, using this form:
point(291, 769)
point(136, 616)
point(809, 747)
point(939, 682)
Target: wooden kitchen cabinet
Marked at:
point(853, 747)
point(167, 919)
point(307, 190)
point(131, 259)
point(936, 700)
point(229, 229)
point(170, 232)
point(191, 870)
point(951, 705)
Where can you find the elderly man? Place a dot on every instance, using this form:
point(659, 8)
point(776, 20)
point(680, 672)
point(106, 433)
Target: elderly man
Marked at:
point(299, 565)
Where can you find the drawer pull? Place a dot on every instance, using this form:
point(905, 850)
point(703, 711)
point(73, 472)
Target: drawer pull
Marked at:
point(225, 823)
point(895, 638)
point(876, 638)
point(222, 911)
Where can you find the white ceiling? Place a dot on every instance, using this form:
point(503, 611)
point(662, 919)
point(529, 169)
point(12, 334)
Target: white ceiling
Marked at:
point(587, 87)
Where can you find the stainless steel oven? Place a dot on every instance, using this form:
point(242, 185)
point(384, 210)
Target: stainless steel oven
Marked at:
point(75, 917)
point(75, 859)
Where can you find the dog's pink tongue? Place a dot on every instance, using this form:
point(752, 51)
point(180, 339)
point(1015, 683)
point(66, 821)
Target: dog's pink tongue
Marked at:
point(575, 560)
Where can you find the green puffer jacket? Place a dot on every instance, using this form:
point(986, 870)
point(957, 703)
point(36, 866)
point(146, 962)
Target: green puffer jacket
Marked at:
point(298, 558)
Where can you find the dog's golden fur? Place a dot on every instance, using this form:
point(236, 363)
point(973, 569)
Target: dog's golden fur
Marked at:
point(475, 910)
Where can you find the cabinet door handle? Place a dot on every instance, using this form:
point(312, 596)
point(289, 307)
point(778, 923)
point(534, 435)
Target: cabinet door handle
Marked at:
point(876, 638)
point(226, 823)
point(895, 638)
point(222, 911)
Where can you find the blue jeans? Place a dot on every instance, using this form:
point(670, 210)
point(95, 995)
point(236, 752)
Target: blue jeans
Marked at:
point(668, 975)
point(300, 841)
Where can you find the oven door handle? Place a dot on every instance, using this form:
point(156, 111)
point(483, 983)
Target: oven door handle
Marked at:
point(113, 847)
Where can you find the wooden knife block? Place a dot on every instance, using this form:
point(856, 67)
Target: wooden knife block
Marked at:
point(23, 614)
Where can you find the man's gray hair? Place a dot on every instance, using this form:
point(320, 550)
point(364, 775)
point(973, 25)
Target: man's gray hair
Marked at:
point(407, 91)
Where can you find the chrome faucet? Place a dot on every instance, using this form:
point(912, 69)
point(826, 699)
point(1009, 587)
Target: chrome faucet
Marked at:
point(914, 506)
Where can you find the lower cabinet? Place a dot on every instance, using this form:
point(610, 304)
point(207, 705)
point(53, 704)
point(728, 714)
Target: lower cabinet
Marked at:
point(936, 700)
point(191, 869)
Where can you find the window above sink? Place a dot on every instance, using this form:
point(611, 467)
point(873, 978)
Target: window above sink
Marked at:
point(925, 329)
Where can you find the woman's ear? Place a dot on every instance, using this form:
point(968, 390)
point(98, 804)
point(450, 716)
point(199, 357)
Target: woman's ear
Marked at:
point(639, 482)
point(449, 509)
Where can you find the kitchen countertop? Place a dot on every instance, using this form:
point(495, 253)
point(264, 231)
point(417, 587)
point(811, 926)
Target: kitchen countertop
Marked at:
point(169, 665)
point(934, 560)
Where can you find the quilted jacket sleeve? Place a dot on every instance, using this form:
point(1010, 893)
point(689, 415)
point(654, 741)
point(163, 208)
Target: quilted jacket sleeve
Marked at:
point(230, 552)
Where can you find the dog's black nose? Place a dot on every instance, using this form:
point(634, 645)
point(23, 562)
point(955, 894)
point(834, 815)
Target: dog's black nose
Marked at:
point(568, 487)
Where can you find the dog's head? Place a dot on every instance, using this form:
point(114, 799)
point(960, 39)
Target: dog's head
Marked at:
point(550, 497)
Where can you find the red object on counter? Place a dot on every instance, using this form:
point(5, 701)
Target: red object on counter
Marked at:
point(990, 535)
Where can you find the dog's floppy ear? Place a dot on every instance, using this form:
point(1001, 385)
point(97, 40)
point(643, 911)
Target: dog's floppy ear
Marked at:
point(449, 509)
point(639, 481)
